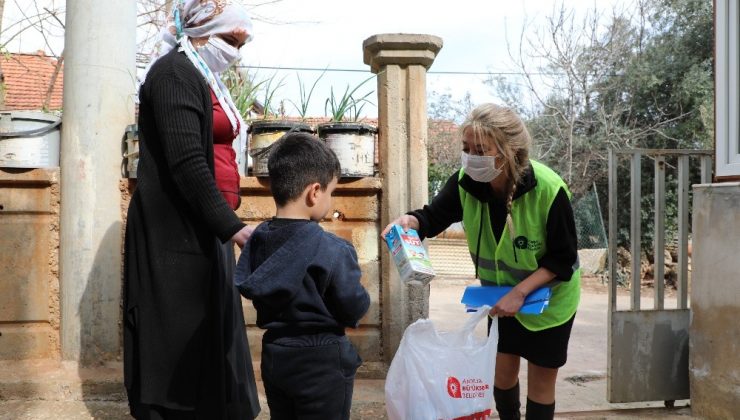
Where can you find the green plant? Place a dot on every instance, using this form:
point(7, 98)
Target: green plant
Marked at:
point(243, 89)
point(305, 96)
point(348, 106)
point(269, 92)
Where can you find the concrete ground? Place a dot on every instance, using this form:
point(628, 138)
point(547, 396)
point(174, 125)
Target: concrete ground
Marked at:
point(45, 390)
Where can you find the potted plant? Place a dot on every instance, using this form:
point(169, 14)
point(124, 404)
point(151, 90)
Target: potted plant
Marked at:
point(266, 131)
point(352, 141)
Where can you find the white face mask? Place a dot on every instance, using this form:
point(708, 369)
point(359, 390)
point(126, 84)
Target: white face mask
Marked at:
point(218, 54)
point(480, 168)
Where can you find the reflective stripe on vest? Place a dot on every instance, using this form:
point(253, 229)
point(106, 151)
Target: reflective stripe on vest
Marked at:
point(511, 260)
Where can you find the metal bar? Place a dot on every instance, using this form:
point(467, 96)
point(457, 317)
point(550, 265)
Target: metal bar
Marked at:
point(598, 204)
point(706, 169)
point(666, 152)
point(683, 231)
point(635, 234)
point(612, 231)
point(659, 233)
point(612, 312)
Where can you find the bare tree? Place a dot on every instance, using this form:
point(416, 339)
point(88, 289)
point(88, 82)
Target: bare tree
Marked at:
point(570, 89)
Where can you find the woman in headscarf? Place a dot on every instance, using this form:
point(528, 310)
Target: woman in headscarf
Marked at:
point(185, 346)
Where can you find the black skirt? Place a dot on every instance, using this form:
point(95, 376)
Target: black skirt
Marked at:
point(220, 383)
point(546, 348)
point(239, 396)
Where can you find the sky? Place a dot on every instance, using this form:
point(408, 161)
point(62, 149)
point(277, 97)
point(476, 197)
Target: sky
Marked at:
point(328, 34)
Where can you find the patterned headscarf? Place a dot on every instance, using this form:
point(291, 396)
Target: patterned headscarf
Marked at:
point(201, 18)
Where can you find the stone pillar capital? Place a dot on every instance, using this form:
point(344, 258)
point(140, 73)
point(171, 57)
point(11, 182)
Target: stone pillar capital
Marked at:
point(401, 49)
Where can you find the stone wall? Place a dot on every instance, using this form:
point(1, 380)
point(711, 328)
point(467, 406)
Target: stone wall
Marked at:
point(29, 264)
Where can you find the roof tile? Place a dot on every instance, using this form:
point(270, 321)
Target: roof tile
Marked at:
point(27, 79)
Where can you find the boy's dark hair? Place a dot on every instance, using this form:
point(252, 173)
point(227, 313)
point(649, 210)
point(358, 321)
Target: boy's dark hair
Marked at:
point(297, 160)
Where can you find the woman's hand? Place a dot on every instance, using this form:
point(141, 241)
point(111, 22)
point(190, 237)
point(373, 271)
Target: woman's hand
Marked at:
point(510, 304)
point(241, 237)
point(406, 221)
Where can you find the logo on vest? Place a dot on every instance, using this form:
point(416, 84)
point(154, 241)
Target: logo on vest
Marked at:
point(521, 242)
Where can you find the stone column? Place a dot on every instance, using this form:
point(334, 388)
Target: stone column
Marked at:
point(401, 62)
point(99, 88)
point(714, 372)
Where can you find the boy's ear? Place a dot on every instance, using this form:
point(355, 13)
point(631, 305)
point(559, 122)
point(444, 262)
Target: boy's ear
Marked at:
point(312, 195)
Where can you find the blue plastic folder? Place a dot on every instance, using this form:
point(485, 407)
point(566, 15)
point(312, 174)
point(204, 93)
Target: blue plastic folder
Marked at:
point(477, 296)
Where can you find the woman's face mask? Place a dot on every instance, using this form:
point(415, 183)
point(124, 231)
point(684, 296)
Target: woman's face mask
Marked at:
point(218, 54)
point(480, 168)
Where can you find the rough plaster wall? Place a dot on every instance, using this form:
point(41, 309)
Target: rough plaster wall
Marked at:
point(714, 341)
point(126, 187)
point(53, 258)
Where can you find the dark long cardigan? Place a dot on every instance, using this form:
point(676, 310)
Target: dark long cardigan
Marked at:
point(175, 290)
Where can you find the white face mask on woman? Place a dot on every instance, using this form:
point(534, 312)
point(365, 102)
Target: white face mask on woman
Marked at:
point(218, 54)
point(480, 168)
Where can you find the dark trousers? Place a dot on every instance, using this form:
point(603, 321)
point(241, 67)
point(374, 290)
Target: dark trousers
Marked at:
point(309, 379)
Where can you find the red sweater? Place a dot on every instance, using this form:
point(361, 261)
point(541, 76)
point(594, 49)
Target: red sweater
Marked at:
point(224, 157)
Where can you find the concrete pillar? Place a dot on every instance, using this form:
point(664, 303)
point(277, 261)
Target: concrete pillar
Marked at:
point(401, 62)
point(99, 88)
point(714, 343)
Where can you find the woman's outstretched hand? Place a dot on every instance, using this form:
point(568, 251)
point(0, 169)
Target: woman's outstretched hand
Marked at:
point(406, 221)
point(241, 237)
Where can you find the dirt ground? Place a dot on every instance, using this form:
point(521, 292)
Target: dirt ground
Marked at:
point(580, 389)
point(582, 382)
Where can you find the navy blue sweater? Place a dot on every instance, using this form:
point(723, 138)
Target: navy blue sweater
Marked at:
point(301, 279)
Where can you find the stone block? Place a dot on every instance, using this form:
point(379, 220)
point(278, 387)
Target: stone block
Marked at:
point(371, 281)
point(367, 341)
point(24, 199)
point(400, 49)
point(256, 208)
point(254, 336)
point(26, 341)
point(24, 256)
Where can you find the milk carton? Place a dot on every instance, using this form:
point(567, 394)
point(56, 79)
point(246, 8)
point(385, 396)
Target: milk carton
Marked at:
point(409, 255)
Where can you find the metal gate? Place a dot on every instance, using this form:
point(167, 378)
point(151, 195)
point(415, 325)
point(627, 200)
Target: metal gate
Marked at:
point(648, 348)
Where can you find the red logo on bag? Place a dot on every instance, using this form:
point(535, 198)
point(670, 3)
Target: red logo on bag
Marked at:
point(453, 387)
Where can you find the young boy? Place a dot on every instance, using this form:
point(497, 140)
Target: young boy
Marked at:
point(305, 285)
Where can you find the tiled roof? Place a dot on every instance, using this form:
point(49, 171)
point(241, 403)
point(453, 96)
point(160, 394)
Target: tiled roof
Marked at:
point(27, 79)
point(443, 127)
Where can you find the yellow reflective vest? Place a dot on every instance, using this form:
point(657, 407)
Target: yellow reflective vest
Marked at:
point(509, 260)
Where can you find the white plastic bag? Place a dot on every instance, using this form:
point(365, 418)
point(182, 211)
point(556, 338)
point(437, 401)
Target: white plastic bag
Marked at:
point(442, 375)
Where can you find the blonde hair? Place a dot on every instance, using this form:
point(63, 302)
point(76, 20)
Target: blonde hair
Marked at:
point(502, 126)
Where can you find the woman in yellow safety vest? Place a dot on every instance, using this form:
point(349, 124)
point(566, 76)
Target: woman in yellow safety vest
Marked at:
point(520, 231)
